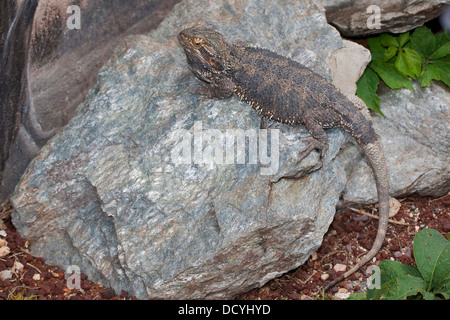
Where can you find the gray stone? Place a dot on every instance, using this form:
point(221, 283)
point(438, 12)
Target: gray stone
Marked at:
point(56, 75)
point(108, 194)
point(352, 18)
point(6, 274)
point(348, 65)
point(415, 136)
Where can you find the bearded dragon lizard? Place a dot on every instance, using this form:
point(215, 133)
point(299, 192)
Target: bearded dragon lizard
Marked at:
point(283, 90)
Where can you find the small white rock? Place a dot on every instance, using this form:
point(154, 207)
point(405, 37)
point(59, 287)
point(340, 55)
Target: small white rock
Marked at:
point(18, 266)
point(3, 233)
point(6, 274)
point(339, 267)
point(394, 207)
point(324, 276)
point(4, 251)
point(36, 277)
point(342, 295)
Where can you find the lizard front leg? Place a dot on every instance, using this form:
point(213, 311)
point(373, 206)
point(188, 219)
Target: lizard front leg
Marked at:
point(220, 87)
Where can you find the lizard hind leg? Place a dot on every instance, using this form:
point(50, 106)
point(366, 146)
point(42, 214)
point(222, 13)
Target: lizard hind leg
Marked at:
point(319, 139)
point(313, 143)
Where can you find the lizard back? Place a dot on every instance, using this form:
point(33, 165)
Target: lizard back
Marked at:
point(283, 90)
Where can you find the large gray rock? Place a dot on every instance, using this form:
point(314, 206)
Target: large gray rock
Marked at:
point(416, 140)
point(110, 195)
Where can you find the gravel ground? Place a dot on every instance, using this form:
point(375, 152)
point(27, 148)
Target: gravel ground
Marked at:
point(349, 237)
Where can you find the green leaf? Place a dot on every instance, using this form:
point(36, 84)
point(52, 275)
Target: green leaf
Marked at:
point(442, 51)
point(394, 269)
point(402, 66)
point(389, 53)
point(376, 49)
point(399, 288)
point(432, 255)
point(423, 42)
point(409, 63)
point(428, 296)
point(366, 89)
point(429, 72)
point(391, 270)
point(357, 296)
point(444, 291)
point(389, 74)
point(441, 39)
point(403, 39)
point(388, 41)
point(443, 65)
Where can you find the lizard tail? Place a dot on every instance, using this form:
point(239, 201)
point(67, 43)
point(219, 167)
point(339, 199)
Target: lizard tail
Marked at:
point(375, 156)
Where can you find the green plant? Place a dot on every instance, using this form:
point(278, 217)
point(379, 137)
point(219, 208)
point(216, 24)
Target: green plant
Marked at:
point(20, 296)
point(322, 295)
point(430, 280)
point(395, 59)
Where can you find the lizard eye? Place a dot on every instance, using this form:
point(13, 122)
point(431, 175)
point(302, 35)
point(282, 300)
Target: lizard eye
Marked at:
point(198, 41)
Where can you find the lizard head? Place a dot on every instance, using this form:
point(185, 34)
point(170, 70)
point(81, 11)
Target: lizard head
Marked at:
point(205, 51)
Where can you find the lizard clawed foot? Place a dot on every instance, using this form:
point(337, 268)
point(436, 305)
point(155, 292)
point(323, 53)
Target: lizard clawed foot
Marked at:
point(313, 143)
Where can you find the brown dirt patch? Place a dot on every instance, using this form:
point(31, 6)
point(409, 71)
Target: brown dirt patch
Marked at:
point(349, 237)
